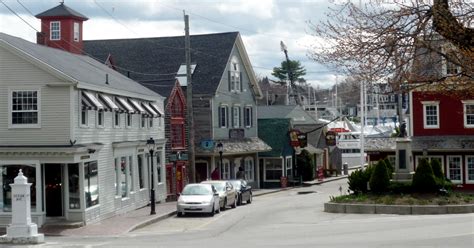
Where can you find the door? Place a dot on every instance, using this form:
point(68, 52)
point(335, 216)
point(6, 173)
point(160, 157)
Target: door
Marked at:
point(53, 189)
point(201, 171)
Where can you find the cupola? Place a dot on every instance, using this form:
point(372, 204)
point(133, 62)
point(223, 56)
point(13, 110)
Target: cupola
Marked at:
point(61, 27)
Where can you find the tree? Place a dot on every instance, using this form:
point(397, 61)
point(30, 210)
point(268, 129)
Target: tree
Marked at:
point(387, 40)
point(297, 71)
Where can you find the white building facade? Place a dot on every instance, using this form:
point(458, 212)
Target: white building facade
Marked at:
point(78, 130)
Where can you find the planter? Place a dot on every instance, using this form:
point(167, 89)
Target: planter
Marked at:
point(360, 208)
point(393, 209)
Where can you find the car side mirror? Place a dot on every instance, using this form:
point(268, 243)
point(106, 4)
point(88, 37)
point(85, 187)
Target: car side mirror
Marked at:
point(216, 194)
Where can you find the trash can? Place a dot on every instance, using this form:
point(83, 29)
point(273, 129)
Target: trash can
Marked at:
point(283, 182)
point(345, 167)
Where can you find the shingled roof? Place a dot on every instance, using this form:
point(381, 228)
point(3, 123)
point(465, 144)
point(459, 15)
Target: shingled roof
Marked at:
point(158, 59)
point(280, 144)
point(61, 10)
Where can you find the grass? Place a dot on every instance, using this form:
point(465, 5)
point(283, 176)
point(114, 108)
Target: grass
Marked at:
point(455, 198)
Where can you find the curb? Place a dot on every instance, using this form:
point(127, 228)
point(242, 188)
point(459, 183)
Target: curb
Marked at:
point(349, 208)
point(329, 179)
point(151, 221)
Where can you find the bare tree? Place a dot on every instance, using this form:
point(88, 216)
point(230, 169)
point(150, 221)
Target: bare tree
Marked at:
point(404, 40)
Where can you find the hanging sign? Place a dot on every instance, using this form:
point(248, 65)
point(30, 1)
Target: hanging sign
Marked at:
point(331, 138)
point(294, 141)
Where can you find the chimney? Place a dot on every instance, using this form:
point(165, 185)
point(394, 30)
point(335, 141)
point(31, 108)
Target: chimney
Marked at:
point(40, 39)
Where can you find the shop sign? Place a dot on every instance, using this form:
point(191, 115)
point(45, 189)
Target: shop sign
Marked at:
point(294, 141)
point(331, 138)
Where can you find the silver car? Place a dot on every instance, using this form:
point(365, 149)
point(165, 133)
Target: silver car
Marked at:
point(227, 193)
point(198, 198)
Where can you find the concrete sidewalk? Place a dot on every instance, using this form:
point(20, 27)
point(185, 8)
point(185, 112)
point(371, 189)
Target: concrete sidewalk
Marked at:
point(127, 222)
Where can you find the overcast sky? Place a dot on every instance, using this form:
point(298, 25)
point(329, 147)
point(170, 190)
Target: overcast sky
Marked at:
point(262, 24)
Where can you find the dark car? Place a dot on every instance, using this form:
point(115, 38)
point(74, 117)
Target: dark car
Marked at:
point(244, 191)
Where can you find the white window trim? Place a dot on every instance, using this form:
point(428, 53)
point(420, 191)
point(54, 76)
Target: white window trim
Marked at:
point(51, 30)
point(248, 108)
point(236, 116)
point(430, 103)
point(76, 31)
point(10, 108)
point(127, 116)
point(98, 116)
point(448, 168)
point(235, 84)
point(226, 119)
point(249, 159)
point(143, 122)
point(464, 103)
point(114, 117)
point(466, 169)
point(419, 157)
point(265, 171)
point(150, 122)
point(225, 169)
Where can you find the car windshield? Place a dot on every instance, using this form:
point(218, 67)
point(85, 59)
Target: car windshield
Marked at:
point(236, 184)
point(197, 190)
point(218, 185)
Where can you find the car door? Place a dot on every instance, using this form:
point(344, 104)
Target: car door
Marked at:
point(231, 194)
point(245, 191)
point(215, 197)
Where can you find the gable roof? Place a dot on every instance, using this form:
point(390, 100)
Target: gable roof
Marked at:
point(81, 70)
point(157, 59)
point(280, 144)
point(61, 10)
point(295, 112)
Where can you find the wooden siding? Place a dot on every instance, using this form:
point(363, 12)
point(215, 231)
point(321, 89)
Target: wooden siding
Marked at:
point(202, 118)
point(55, 122)
point(451, 115)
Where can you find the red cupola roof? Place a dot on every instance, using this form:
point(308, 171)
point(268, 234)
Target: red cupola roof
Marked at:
point(61, 11)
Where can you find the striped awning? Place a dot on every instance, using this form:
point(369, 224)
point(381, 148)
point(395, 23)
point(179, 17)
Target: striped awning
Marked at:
point(125, 105)
point(137, 106)
point(157, 109)
point(92, 100)
point(150, 110)
point(109, 102)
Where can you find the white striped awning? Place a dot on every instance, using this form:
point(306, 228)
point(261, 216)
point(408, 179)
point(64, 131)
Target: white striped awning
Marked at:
point(109, 102)
point(137, 106)
point(125, 104)
point(157, 109)
point(93, 100)
point(150, 110)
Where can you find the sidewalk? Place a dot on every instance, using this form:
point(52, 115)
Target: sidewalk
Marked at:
point(127, 222)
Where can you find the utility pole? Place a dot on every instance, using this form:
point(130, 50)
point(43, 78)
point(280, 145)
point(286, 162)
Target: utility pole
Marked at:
point(189, 102)
point(290, 74)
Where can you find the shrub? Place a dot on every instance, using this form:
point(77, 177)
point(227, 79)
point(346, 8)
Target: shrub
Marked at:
point(399, 187)
point(357, 182)
point(437, 170)
point(379, 180)
point(424, 179)
point(390, 168)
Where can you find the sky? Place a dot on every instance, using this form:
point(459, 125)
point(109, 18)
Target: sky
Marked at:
point(261, 23)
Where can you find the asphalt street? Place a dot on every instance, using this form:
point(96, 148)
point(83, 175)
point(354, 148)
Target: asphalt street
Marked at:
point(292, 218)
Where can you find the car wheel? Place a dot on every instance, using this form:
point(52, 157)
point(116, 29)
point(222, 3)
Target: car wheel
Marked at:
point(179, 214)
point(234, 205)
point(213, 211)
point(250, 199)
point(225, 205)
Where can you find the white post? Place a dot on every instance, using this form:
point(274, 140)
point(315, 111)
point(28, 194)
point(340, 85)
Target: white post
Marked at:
point(22, 230)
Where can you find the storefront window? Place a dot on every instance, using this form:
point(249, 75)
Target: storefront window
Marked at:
point(73, 175)
point(9, 172)
point(273, 169)
point(123, 176)
point(140, 171)
point(91, 183)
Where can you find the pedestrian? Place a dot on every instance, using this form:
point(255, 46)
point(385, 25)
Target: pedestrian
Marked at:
point(240, 174)
point(216, 175)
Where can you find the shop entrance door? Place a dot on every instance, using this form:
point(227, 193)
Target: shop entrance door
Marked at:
point(201, 172)
point(53, 190)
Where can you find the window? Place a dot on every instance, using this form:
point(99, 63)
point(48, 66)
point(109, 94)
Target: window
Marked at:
point(177, 107)
point(430, 159)
point(248, 117)
point(124, 177)
point(470, 169)
point(226, 169)
point(8, 174)
point(158, 168)
point(76, 31)
point(117, 119)
point(131, 174)
point(91, 183)
point(84, 117)
point(249, 168)
point(235, 82)
point(143, 121)
point(100, 118)
point(431, 114)
point(468, 113)
point(73, 186)
point(236, 116)
point(223, 116)
point(140, 161)
point(55, 30)
point(129, 120)
point(454, 169)
point(150, 122)
point(24, 108)
point(273, 169)
point(177, 135)
point(289, 167)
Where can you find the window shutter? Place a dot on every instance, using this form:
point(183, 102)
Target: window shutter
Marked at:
point(229, 81)
point(240, 117)
point(227, 116)
point(220, 116)
point(245, 116)
point(232, 118)
point(240, 79)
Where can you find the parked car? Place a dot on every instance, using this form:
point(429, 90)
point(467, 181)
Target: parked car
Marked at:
point(198, 198)
point(244, 191)
point(227, 193)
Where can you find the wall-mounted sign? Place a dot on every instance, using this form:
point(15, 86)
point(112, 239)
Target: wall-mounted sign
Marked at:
point(85, 157)
point(207, 144)
point(294, 141)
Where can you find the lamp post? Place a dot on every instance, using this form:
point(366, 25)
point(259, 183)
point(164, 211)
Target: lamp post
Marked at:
point(220, 149)
point(150, 143)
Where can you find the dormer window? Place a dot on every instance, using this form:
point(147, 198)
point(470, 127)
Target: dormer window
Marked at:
point(235, 76)
point(450, 61)
point(55, 30)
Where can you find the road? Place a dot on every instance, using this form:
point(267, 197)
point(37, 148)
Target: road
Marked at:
point(292, 218)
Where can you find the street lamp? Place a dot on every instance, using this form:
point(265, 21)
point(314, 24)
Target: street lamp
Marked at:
point(220, 149)
point(151, 148)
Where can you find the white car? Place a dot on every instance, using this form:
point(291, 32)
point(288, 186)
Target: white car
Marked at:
point(227, 193)
point(198, 198)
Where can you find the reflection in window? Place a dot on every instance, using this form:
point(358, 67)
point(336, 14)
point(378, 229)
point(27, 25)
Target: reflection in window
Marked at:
point(273, 169)
point(91, 183)
point(9, 172)
point(73, 175)
point(123, 176)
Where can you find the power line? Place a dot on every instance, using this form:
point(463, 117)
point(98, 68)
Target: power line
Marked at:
point(11, 10)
